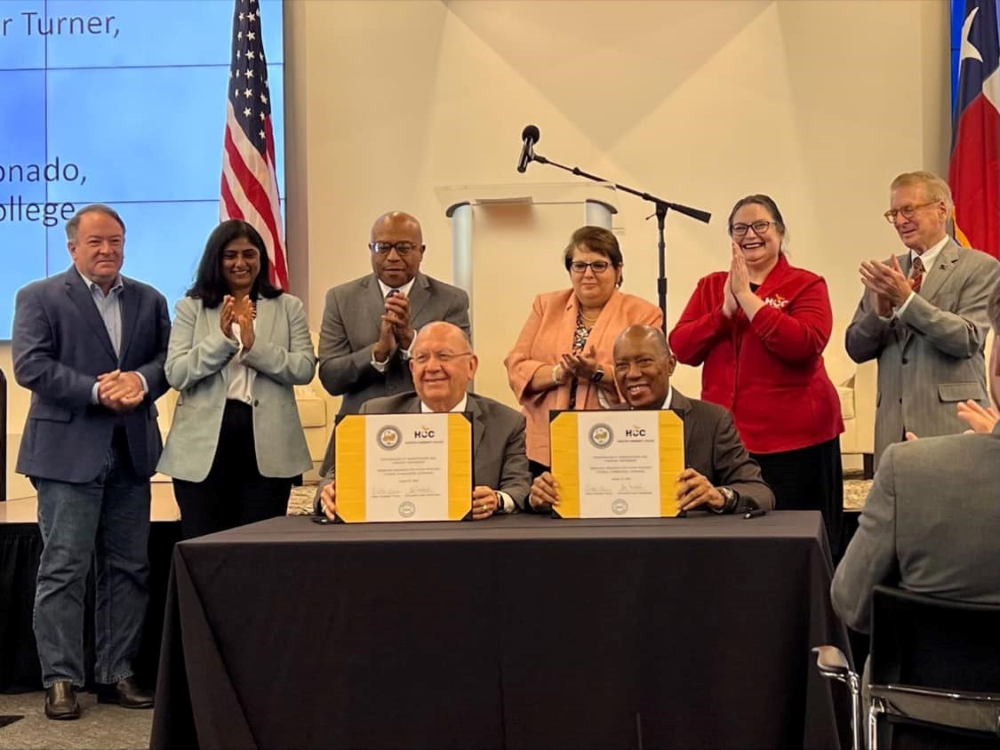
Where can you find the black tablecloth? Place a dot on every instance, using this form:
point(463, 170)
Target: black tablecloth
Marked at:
point(517, 632)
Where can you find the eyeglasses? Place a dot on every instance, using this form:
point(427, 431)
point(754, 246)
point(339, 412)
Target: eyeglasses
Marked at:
point(443, 357)
point(907, 211)
point(598, 266)
point(759, 228)
point(384, 248)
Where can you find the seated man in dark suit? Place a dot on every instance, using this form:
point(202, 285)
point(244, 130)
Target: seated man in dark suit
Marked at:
point(932, 518)
point(720, 474)
point(443, 364)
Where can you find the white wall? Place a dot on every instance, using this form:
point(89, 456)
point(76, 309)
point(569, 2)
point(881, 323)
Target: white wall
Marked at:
point(818, 103)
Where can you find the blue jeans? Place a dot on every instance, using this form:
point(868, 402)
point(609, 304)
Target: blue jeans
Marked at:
point(107, 521)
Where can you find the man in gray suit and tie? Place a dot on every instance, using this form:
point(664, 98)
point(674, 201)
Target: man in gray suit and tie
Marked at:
point(90, 345)
point(443, 365)
point(923, 316)
point(369, 324)
point(931, 521)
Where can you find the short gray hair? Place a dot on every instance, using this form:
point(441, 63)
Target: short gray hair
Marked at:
point(936, 188)
point(73, 225)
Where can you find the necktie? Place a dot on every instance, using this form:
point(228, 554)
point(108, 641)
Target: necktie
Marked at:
point(916, 274)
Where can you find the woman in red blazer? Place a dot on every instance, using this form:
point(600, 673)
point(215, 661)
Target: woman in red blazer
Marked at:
point(760, 330)
point(563, 357)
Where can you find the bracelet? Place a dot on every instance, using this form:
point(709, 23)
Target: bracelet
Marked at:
point(557, 374)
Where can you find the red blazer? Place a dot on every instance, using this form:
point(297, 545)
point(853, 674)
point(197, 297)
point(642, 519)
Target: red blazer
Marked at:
point(768, 372)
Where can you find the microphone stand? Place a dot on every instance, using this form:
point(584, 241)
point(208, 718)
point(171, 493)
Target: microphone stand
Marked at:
point(661, 206)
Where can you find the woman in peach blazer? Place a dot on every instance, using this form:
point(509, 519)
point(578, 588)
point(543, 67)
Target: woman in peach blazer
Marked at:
point(563, 358)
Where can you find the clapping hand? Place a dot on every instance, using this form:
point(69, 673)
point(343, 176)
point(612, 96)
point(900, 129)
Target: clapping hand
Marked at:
point(397, 312)
point(227, 316)
point(979, 419)
point(581, 365)
point(888, 283)
point(245, 311)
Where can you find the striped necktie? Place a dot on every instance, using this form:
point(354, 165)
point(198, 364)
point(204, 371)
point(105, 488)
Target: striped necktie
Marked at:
point(916, 274)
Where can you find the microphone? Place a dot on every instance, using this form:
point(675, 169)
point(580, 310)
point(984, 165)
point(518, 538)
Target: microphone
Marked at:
point(530, 136)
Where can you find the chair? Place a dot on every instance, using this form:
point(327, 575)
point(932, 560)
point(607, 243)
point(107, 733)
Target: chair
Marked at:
point(857, 404)
point(934, 674)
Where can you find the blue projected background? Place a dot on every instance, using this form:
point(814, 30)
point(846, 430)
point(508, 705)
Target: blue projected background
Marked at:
point(120, 102)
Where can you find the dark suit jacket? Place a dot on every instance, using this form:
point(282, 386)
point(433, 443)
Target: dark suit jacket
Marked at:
point(499, 460)
point(60, 345)
point(930, 525)
point(351, 321)
point(713, 448)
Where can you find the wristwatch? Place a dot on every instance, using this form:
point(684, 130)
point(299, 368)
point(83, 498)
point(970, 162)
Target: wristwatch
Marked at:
point(729, 494)
point(598, 376)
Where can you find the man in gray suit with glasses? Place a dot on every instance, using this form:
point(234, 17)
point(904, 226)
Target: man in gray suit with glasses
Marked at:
point(923, 316)
point(369, 323)
point(931, 521)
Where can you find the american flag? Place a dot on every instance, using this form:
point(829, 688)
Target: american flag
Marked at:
point(249, 180)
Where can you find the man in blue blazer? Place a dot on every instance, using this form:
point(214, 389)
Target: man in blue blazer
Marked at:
point(90, 345)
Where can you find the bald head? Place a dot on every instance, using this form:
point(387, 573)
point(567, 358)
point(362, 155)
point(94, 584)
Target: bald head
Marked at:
point(643, 366)
point(443, 365)
point(397, 245)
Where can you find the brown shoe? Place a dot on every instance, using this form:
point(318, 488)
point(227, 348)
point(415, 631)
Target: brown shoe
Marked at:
point(60, 701)
point(125, 693)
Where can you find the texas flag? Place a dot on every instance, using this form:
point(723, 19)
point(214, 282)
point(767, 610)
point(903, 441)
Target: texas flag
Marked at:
point(975, 162)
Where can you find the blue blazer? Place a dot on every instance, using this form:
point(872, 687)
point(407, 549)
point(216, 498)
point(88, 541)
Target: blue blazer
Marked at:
point(282, 356)
point(60, 346)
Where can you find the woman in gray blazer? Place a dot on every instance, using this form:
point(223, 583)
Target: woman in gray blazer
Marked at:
point(237, 349)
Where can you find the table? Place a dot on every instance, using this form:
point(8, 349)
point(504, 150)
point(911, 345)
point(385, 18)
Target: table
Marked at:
point(517, 632)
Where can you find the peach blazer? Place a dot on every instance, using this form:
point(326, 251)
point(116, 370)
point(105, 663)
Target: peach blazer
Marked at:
point(546, 335)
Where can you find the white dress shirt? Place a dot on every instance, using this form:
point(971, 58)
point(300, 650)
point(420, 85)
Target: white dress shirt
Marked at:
point(241, 377)
point(507, 504)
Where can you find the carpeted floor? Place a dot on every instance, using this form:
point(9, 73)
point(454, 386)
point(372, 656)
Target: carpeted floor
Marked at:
point(855, 490)
point(101, 726)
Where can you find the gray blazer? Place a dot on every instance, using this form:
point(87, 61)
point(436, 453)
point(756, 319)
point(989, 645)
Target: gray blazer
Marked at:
point(931, 357)
point(499, 460)
point(930, 525)
point(282, 356)
point(351, 321)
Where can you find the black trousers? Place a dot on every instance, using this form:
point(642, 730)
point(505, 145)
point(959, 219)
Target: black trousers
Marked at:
point(810, 478)
point(234, 493)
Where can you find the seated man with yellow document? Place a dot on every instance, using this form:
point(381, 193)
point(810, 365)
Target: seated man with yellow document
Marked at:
point(713, 470)
point(443, 364)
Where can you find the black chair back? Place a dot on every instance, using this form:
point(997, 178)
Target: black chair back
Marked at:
point(925, 642)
